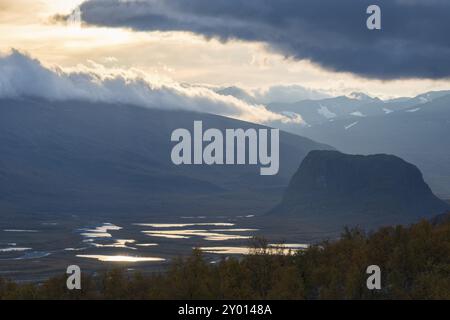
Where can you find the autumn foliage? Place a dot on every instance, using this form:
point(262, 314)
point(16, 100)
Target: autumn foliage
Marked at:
point(415, 264)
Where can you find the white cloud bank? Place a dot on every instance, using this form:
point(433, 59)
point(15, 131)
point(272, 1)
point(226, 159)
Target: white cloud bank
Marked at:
point(22, 76)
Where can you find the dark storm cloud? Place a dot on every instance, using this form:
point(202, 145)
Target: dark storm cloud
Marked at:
point(413, 42)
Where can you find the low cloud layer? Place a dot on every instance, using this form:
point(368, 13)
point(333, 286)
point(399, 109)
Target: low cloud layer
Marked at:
point(413, 42)
point(276, 93)
point(288, 94)
point(22, 76)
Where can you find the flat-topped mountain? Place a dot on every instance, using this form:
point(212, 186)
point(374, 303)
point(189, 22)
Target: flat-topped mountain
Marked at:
point(338, 186)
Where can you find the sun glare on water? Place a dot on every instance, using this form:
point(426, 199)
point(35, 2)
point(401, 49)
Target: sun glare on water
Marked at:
point(106, 258)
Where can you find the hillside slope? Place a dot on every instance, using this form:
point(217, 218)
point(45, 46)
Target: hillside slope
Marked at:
point(80, 157)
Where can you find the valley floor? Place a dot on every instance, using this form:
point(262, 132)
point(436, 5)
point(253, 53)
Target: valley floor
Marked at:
point(35, 247)
point(414, 263)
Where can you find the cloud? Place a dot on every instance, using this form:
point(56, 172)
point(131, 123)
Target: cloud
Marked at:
point(276, 93)
point(22, 76)
point(288, 94)
point(413, 42)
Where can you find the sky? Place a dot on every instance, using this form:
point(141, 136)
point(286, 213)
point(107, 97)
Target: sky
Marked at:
point(303, 48)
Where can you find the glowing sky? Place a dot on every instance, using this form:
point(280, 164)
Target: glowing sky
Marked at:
point(29, 26)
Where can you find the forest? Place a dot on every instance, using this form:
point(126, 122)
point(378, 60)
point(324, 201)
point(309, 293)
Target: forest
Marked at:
point(414, 262)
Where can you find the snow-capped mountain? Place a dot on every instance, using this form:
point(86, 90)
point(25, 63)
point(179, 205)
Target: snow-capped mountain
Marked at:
point(354, 106)
point(351, 107)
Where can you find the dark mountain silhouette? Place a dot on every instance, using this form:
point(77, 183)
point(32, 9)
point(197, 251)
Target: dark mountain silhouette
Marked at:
point(339, 187)
point(80, 157)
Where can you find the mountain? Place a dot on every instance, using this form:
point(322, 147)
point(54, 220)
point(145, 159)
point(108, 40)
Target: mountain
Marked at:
point(334, 187)
point(404, 103)
point(82, 157)
point(417, 134)
point(315, 112)
point(355, 106)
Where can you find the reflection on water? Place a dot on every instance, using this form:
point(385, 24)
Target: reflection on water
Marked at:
point(272, 249)
point(96, 235)
point(75, 249)
point(182, 231)
point(184, 225)
point(103, 232)
point(112, 258)
point(105, 227)
point(103, 239)
point(119, 243)
point(100, 231)
point(33, 255)
point(234, 230)
point(187, 233)
point(290, 245)
point(226, 250)
point(14, 249)
point(13, 252)
point(165, 235)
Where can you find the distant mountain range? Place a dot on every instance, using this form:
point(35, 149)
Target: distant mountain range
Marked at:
point(79, 157)
point(336, 188)
point(354, 106)
point(415, 129)
point(357, 105)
